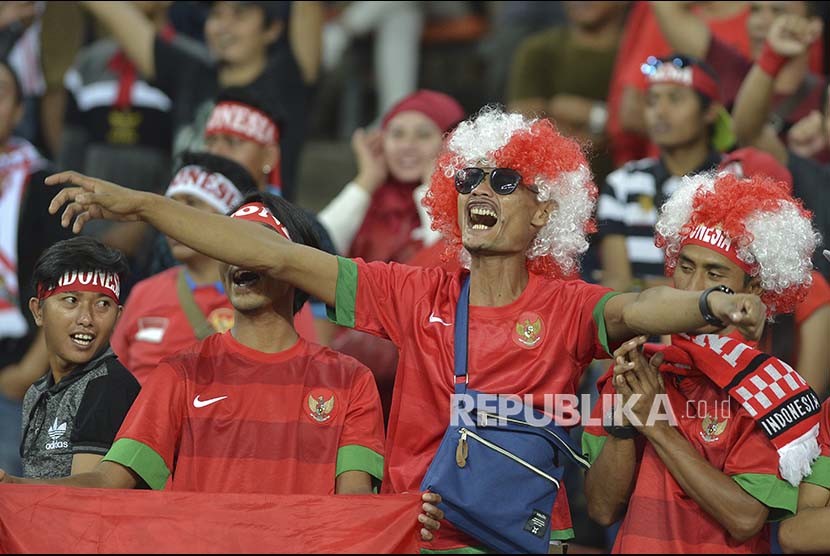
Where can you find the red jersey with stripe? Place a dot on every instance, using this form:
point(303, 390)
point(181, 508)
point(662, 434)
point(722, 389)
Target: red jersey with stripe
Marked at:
point(661, 517)
point(222, 417)
point(539, 344)
point(154, 325)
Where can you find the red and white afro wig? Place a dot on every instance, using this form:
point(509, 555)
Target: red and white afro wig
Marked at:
point(545, 158)
point(763, 228)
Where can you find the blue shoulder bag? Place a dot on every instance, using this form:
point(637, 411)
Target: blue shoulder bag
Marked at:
point(498, 476)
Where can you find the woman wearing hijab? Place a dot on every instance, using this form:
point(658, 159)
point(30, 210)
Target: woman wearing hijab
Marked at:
point(378, 215)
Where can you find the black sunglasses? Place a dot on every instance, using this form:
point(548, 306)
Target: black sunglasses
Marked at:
point(503, 181)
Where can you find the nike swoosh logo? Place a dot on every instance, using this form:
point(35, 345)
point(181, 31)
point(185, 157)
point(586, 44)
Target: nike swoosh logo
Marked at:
point(204, 403)
point(433, 318)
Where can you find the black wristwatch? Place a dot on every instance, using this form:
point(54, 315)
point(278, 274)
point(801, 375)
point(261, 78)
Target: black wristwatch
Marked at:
point(703, 305)
point(625, 432)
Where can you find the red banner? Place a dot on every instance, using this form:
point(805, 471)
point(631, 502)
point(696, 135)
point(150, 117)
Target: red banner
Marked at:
point(47, 519)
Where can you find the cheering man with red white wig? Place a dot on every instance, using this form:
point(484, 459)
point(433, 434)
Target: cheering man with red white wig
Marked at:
point(518, 197)
point(746, 422)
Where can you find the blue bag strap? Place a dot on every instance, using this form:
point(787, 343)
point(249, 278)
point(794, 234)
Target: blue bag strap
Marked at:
point(460, 342)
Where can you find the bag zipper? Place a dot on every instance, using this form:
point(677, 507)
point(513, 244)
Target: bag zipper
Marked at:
point(466, 432)
point(576, 456)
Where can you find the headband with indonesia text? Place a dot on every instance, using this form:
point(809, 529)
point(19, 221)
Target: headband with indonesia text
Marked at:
point(257, 212)
point(98, 281)
point(716, 240)
point(243, 121)
point(690, 76)
point(211, 187)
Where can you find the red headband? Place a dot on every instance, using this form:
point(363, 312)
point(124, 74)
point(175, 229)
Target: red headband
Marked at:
point(688, 76)
point(716, 240)
point(241, 120)
point(257, 212)
point(98, 281)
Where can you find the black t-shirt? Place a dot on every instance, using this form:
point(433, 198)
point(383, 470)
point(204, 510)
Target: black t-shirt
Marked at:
point(811, 184)
point(79, 415)
point(185, 72)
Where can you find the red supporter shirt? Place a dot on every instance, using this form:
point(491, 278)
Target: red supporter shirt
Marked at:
point(153, 324)
point(539, 344)
point(222, 417)
point(660, 517)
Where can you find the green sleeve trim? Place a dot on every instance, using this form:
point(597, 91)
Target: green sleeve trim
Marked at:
point(359, 458)
point(599, 319)
point(820, 474)
point(345, 294)
point(562, 535)
point(592, 445)
point(142, 459)
point(778, 495)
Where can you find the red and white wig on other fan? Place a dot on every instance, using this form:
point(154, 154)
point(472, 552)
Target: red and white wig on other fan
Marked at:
point(555, 164)
point(755, 222)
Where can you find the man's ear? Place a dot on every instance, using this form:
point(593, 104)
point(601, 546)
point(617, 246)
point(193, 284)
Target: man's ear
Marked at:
point(543, 212)
point(36, 307)
point(274, 31)
point(754, 286)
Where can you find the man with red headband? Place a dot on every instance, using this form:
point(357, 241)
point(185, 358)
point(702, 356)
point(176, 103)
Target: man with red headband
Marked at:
point(71, 415)
point(515, 198)
point(256, 409)
point(744, 422)
point(682, 111)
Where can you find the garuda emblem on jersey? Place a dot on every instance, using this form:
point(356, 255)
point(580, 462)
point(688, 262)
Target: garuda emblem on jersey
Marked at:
point(221, 319)
point(321, 404)
point(529, 331)
point(712, 428)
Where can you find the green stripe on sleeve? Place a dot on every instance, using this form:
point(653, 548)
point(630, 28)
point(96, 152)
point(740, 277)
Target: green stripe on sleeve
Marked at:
point(561, 535)
point(345, 294)
point(599, 319)
point(142, 459)
point(359, 458)
point(820, 474)
point(592, 445)
point(778, 495)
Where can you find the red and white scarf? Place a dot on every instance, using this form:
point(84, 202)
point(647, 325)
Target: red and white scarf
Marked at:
point(782, 403)
point(15, 167)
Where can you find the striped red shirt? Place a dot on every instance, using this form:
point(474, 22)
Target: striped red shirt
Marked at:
point(661, 517)
point(222, 417)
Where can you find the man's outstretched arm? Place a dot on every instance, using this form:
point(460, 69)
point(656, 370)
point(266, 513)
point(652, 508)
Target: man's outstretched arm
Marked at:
point(233, 241)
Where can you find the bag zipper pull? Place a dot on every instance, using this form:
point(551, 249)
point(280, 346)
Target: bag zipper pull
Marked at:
point(462, 450)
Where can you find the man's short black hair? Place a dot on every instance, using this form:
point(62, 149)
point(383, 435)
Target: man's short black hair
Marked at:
point(82, 253)
point(235, 172)
point(248, 97)
point(18, 89)
point(295, 221)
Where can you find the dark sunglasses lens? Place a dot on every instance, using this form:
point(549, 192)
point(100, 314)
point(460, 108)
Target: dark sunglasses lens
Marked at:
point(467, 179)
point(504, 181)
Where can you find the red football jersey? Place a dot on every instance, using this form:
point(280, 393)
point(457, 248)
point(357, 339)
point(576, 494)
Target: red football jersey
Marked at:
point(222, 417)
point(539, 344)
point(661, 517)
point(154, 326)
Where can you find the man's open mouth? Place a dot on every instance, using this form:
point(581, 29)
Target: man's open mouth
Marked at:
point(245, 278)
point(481, 216)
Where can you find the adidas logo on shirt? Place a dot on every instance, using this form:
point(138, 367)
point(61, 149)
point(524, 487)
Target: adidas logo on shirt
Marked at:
point(55, 432)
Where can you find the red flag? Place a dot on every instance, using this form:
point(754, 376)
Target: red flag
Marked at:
point(48, 519)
